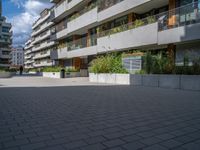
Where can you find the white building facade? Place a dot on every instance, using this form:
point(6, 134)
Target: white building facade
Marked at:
point(84, 29)
point(17, 55)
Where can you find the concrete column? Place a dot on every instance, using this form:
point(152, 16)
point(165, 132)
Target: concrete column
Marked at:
point(88, 39)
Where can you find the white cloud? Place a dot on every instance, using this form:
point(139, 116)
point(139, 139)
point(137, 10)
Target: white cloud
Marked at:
point(22, 23)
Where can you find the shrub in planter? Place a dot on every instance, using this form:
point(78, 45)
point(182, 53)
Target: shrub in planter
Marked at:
point(52, 69)
point(110, 63)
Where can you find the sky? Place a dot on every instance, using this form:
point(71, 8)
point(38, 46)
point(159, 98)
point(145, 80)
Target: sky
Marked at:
point(22, 14)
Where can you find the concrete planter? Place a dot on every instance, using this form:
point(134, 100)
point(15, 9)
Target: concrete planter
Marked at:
point(110, 78)
point(51, 75)
point(184, 82)
point(73, 74)
point(6, 74)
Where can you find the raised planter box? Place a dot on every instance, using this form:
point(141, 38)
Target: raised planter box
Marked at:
point(6, 74)
point(184, 82)
point(110, 78)
point(51, 75)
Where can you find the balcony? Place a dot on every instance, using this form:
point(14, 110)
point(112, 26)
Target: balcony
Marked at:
point(60, 53)
point(45, 63)
point(109, 8)
point(73, 3)
point(42, 55)
point(60, 8)
point(43, 45)
point(82, 47)
point(41, 20)
point(84, 19)
point(42, 28)
point(180, 25)
point(42, 37)
point(138, 34)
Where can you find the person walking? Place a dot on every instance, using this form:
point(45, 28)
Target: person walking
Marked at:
point(21, 70)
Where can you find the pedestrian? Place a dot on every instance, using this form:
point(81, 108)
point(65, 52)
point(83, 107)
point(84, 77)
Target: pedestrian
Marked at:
point(21, 70)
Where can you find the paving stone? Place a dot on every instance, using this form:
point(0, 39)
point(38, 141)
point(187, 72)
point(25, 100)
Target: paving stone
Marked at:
point(98, 117)
point(155, 147)
point(94, 147)
point(133, 146)
point(113, 143)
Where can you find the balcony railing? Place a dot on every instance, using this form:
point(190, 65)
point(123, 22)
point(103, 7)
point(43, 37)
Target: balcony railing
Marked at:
point(82, 43)
point(137, 23)
point(185, 15)
point(85, 10)
point(104, 4)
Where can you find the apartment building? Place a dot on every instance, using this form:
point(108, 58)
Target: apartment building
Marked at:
point(28, 55)
point(87, 28)
point(37, 49)
point(5, 41)
point(17, 57)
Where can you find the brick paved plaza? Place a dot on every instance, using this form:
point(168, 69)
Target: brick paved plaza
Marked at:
point(91, 117)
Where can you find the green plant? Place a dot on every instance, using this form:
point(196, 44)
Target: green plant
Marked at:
point(109, 63)
point(138, 23)
point(151, 19)
point(52, 69)
point(140, 72)
point(148, 62)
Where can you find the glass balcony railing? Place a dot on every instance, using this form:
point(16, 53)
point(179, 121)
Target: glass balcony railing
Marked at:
point(137, 23)
point(104, 4)
point(82, 43)
point(185, 15)
point(85, 10)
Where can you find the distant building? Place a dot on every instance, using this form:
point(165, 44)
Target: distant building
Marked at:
point(17, 55)
point(5, 41)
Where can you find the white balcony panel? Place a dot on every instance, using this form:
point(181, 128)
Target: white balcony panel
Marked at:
point(82, 21)
point(62, 34)
point(41, 20)
point(82, 52)
point(179, 34)
point(43, 64)
point(138, 37)
point(119, 8)
point(42, 28)
point(40, 38)
point(39, 55)
point(61, 8)
point(44, 45)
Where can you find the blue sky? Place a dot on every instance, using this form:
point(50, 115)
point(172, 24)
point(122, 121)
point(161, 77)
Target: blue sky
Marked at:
point(22, 14)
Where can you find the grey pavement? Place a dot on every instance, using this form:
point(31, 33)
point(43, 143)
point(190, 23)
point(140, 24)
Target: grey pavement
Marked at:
point(38, 81)
point(90, 117)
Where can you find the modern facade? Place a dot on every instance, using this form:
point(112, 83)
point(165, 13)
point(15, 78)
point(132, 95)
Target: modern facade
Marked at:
point(5, 41)
point(37, 49)
point(85, 29)
point(17, 55)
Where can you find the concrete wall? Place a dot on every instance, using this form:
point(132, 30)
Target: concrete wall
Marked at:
point(62, 34)
point(184, 82)
point(82, 52)
point(119, 8)
point(141, 36)
point(123, 79)
point(6, 74)
point(84, 20)
point(179, 34)
point(51, 75)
